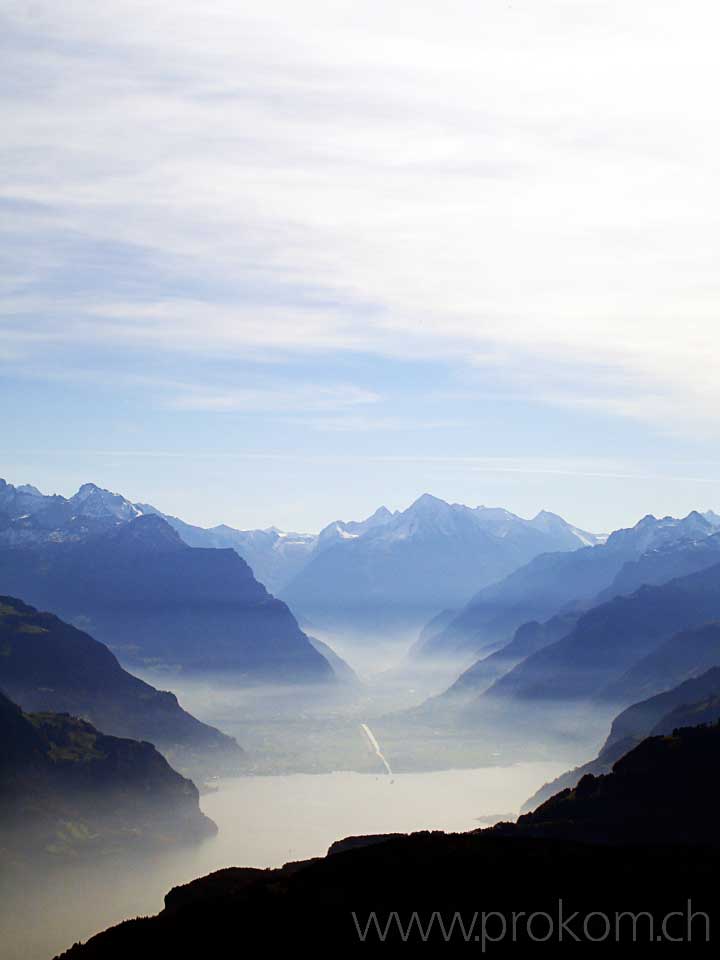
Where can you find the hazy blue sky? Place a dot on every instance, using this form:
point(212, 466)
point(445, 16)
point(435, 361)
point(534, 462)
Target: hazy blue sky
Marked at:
point(281, 262)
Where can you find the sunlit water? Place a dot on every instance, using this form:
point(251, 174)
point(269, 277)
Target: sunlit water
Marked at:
point(264, 822)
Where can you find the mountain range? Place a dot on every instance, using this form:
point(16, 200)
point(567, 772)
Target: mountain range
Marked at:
point(604, 653)
point(124, 572)
point(390, 571)
point(652, 551)
point(273, 555)
point(277, 557)
point(396, 570)
point(596, 657)
point(127, 577)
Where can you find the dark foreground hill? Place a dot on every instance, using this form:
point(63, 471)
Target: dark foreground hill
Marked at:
point(662, 789)
point(157, 602)
point(691, 703)
point(628, 859)
point(48, 665)
point(69, 792)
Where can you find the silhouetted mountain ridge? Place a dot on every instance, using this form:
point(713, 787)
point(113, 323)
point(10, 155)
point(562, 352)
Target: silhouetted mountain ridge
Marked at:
point(559, 583)
point(655, 792)
point(67, 790)
point(47, 665)
point(693, 702)
point(155, 601)
point(611, 638)
point(398, 571)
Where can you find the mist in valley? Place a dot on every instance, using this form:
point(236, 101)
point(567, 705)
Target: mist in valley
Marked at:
point(385, 749)
point(322, 762)
point(391, 745)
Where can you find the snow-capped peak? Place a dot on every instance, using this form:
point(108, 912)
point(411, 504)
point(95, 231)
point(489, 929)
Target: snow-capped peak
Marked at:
point(93, 501)
point(712, 518)
point(427, 502)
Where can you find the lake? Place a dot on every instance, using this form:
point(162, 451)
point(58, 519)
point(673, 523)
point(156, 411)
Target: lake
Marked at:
point(264, 821)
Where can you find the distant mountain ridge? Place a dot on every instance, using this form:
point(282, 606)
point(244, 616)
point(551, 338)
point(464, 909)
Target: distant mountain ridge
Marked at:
point(391, 570)
point(279, 559)
point(654, 567)
point(275, 556)
point(653, 551)
point(99, 561)
point(610, 654)
point(398, 569)
point(594, 659)
point(528, 639)
point(28, 517)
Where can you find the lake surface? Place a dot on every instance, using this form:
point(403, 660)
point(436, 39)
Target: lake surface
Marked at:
point(264, 822)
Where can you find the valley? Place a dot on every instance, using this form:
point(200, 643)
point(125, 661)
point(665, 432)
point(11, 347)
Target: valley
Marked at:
point(299, 733)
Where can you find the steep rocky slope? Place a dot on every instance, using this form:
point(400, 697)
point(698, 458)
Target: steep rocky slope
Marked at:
point(69, 791)
point(48, 665)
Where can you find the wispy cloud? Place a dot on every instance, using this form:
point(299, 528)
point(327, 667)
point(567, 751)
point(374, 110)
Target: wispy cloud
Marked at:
point(271, 394)
point(299, 398)
point(580, 468)
point(378, 424)
point(523, 186)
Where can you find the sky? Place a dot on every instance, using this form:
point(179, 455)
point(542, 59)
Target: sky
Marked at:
point(282, 262)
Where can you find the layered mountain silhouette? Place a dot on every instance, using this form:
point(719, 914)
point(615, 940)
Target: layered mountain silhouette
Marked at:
point(392, 570)
point(633, 846)
point(634, 803)
point(278, 558)
point(610, 639)
point(273, 555)
point(396, 570)
point(669, 560)
point(47, 665)
point(528, 639)
point(561, 681)
point(127, 577)
point(683, 656)
point(691, 703)
point(653, 551)
point(647, 672)
point(68, 791)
